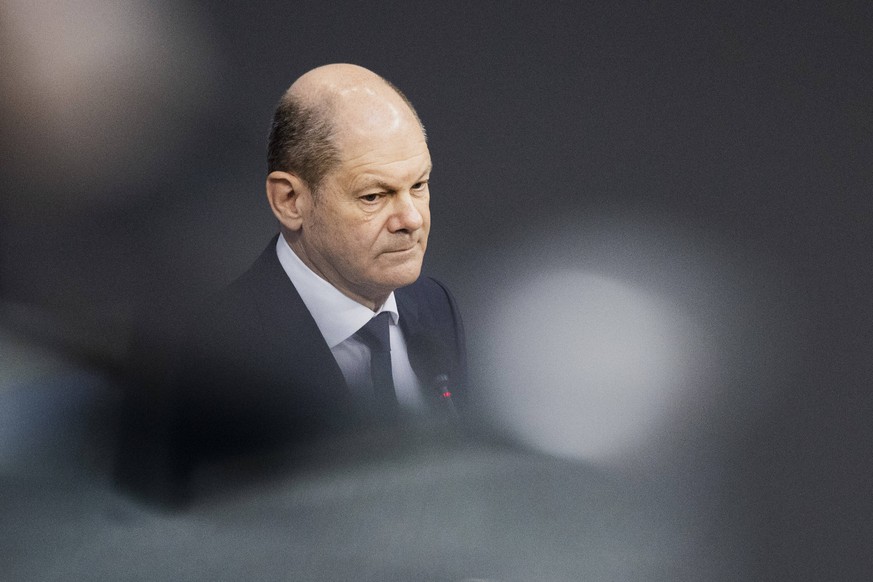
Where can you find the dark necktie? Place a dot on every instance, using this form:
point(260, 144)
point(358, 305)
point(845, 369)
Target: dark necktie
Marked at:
point(375, 336)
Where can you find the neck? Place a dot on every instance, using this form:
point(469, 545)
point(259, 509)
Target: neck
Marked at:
point(371, 301)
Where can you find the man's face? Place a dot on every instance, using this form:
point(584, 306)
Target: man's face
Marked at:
point(366, 228)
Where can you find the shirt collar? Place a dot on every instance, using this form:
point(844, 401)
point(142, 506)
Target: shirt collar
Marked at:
point(337, 316)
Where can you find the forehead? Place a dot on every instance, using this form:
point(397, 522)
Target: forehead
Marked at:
point(398, 152)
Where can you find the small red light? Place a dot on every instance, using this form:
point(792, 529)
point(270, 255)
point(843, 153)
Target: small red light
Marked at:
point(447, 394)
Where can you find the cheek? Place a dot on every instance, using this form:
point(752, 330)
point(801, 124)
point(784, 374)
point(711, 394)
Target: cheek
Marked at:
point(342, 232)
point(360, 240)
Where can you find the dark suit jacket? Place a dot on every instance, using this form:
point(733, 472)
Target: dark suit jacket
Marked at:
point(254, 373)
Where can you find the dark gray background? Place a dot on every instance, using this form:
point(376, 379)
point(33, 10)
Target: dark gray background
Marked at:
point(716, 155)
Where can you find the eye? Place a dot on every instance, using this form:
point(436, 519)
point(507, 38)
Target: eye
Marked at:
point(370, 197)
point(419, 186)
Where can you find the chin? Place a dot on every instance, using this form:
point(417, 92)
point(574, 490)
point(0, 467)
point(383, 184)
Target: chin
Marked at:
point(401, 277)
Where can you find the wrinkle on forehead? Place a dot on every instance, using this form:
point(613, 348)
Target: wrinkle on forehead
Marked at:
point(366, 156)
point(370, 122)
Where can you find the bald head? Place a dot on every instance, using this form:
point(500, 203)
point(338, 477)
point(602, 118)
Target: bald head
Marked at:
point(325, 108)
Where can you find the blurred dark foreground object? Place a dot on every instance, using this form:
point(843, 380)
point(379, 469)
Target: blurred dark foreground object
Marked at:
point(401, 505)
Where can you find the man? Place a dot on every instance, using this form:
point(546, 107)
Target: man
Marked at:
point(331, 328)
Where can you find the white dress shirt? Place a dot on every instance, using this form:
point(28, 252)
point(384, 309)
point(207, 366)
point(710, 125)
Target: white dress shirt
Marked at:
point(338, 318)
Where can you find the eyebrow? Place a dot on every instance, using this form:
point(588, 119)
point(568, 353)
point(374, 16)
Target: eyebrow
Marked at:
point(378, 183)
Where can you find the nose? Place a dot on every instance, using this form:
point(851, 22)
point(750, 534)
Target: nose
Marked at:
point(408, 213)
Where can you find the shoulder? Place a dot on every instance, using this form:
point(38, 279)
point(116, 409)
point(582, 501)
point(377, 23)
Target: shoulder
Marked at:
point(431, 302)
point(430, 313)
point(253, 296)
point(427, 291)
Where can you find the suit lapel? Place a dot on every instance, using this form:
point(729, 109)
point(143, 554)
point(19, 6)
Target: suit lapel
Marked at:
point(421, 336)
point(410, 323)
point(296, 340)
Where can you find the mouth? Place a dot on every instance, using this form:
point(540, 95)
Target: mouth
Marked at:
point(402, 250)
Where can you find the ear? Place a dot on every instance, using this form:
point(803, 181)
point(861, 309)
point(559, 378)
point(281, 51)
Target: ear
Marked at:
point(289, 197)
